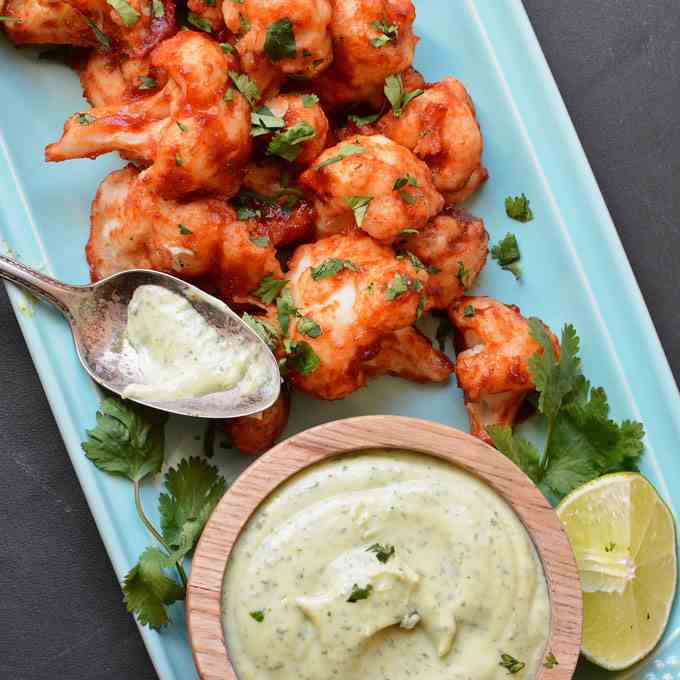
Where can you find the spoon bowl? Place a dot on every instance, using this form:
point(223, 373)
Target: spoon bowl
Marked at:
point(98, 313)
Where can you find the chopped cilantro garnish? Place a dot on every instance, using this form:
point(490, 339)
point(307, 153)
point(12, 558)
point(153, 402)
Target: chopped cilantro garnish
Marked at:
point(550, 661)
point(269, 288)
point(244, 22)
point(263, 121)
point(257, 616)
point(408, 197)
point(397, 96)
point(307, 326)
point(280, 40)
point(610, 546)
point(287, 144)
point(398, 287)
point(158, 8)
point(261, 242)
point(147, 83)
point(382, 552)
point(309, 100)
point(518, 208)
point(331, 267)
point(182, 126)
point(229, 95)
point(361, 121)
point(302, 357)
point(199, 22)
point(285, 309)
point(345, 152)
point(401, 182)
point(85, 118)
point(8, 20)
point(359, 593)
point(267, 331)
point(103, 39)
point(128, 14)
point(227, 47)
point(507, 254)
point(388, 32)
point(179, 162)
point(463, 274)
point(468, 311)
point(246, 87)
point(359, 205)
point(511, 664)
point(185, 231)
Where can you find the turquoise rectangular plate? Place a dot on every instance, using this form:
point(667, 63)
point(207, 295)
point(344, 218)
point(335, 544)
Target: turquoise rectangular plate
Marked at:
point(575, 269)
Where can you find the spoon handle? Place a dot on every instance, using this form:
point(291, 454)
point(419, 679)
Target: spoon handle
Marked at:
point(59, 294)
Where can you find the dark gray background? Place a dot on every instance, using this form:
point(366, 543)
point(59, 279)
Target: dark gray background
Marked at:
point(617, 63)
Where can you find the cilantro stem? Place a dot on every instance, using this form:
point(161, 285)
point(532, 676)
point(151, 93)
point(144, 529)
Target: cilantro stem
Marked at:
point(153, 531)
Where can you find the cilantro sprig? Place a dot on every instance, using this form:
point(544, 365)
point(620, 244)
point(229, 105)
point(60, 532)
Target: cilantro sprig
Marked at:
point(288, 144)
point(398, 97)
point(582, 442)
point(129, 441)
point(508, 255)
point(280, 40)
point(517, 208)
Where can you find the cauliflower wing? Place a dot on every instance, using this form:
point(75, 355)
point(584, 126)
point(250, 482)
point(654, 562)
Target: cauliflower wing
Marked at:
point(372, 183)
point(372, 39)
point(193, 138)
point(355, 291)
point(441, 127)
point(280, 38)
point(45, 22)
point(493, 369)
point(408, 354)
point(454, 247)
point(257, 433)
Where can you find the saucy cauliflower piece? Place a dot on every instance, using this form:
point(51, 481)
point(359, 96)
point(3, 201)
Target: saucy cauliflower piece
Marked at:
point(305, 125)
point(408, 354)
point(135, 28)
point(493, 369)
point(349, 291)
point(372, 39)
point(280, 38)
point(110, 78)
point(373, 184)
point(441, 127)
point(192, 137)
point(257, 433)
point(453, 247)
point(45, 22)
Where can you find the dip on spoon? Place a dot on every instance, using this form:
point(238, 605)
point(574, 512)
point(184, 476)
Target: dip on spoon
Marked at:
point(153, 338)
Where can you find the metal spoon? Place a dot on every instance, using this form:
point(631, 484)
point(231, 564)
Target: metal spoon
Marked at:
point(98, 317)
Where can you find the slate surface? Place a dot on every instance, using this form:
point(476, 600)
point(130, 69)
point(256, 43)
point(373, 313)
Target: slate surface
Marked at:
point(617, 63)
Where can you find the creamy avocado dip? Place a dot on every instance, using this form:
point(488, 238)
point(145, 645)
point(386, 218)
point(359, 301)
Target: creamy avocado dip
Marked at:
point(181, 355)
point(385, 565)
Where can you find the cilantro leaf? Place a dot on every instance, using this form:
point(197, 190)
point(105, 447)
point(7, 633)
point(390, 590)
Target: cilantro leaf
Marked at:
point(257, 616)
point(148, 83)
point(266, 330)
point(382, 552)
point(360, 593)
point(400, 285)
point(158, 9)
point(287, 144)
point(518, 208)
point(345, 152)
point(128, 14)
point(309, 100)
point(307, 326)
point(184, 231)
point(269, 288)
point(85, 118)
point(246, 87)
point(468, 311)
point(227, 47)
point(102, 38)
point(193, 490)
point(127, 440)
point(388, 32)
point(9, 20)
point(520, 451)
point(359, 205)
point(197, 21)
point(507, 254)
point(261, 241)
point(362, 121)
point(245, 213)
point(148, 590)
point(550, 661)
point(263, 121)
point(397, 96)
point(285, 309)
point(280, 40)
point(511, 664)
point(401, 182)
point(302, 356)
point(463, 275)
point(331, 267)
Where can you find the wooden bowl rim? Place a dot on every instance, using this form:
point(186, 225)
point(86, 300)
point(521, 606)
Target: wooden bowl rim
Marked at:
point(340, 437)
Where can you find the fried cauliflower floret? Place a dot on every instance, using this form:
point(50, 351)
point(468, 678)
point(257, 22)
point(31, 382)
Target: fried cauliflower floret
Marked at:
point(192, 138)
point(257, 433)
point(133, 227)
point(45, 22)
point(274, 205)
point(372, 39)
point(454, 247)
point(372, 293)
point(280, 38)
point(493, 370)
point(374, 184)
point(110, 78)
point(299, 112)
point(408, 354)
point(441, 127)
point(135, 31)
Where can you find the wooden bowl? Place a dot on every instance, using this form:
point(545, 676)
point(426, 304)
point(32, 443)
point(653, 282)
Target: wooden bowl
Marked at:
point(204, 596)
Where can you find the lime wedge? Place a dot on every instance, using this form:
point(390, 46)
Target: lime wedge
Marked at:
point(623, 537)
